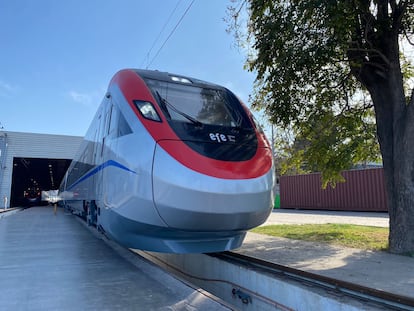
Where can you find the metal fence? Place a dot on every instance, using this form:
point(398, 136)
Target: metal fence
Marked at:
point(364, 190)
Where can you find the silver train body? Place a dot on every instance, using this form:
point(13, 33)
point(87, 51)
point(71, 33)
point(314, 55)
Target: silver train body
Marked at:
point(126, 182)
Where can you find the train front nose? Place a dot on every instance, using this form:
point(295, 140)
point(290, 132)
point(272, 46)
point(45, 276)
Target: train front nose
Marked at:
point(189, 200)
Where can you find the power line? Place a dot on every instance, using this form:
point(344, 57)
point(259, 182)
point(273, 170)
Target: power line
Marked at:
point(171, 33)
point(159, 34)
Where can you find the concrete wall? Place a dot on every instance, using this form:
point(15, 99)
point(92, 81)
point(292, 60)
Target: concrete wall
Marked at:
point(31, 145)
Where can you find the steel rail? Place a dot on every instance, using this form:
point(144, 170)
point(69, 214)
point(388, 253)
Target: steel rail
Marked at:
point(387, 299)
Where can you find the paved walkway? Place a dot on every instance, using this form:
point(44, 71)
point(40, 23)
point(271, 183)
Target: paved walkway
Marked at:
point(50, 262)
point(379, 270)
point(290, 216)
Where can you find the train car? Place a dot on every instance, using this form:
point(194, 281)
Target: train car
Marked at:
point(171, 164)
point(32, 196)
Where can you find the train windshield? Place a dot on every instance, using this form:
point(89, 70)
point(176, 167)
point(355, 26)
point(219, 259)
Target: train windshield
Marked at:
point(198, 105)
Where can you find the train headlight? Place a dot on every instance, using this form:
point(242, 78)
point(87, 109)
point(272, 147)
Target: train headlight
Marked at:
point(180, 79)
point(147, 110)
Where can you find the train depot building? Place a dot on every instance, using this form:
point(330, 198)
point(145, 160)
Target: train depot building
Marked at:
point(30, 163)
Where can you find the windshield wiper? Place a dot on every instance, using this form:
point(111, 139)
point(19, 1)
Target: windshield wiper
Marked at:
point(165, 103)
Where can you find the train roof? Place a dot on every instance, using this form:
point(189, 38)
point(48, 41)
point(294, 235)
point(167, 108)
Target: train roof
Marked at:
point(174, 78)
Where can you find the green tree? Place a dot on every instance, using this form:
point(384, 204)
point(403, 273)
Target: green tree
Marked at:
point(336, 72)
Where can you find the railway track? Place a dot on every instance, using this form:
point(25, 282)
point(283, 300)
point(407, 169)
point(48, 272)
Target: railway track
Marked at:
point(354, 291)
point(230, 272)
point(227, 270)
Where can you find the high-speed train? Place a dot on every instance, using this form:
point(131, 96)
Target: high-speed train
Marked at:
point(171, 164)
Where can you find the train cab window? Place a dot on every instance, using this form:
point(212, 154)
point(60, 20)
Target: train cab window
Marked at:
point(199, 105)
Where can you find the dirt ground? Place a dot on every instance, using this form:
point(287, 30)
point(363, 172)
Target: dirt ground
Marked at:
point(379, 270)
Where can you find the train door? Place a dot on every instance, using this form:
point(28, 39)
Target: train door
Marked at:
point(107, 155)
point(101, 152)
point(96, 206)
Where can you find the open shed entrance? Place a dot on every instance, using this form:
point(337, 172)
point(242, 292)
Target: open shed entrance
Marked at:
point(32, 175)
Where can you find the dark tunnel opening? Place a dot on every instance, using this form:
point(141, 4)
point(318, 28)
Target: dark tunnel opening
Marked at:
point(33, 175)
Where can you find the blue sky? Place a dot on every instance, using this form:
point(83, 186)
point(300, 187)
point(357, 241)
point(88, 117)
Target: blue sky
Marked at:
point(57, 57)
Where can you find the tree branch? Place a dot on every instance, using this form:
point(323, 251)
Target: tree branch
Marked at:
point(393, 5)
point(408, 38)
point(398, 14)
point(374, 51)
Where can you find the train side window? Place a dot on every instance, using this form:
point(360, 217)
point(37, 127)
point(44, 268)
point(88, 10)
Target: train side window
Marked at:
point(113, 125)
point(109, 119)
point(118, 125)
point(123, 126)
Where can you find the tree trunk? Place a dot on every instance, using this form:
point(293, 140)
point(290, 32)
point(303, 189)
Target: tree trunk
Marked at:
point(401, 201)
point(395, 128)
point(380, 72)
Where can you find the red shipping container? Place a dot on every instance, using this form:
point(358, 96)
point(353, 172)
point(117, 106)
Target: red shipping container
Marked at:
point(363, 190)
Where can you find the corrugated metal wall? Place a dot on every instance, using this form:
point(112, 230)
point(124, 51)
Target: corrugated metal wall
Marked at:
point(364, 190)
point(31, 145)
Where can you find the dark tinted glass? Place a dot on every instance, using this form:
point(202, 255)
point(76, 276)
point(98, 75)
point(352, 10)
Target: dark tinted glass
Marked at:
point(206, 105)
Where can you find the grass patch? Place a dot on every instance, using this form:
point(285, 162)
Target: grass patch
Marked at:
point(362, 237)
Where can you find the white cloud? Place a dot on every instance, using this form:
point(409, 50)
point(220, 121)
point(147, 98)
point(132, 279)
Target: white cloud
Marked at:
point(6, 89)
point(90, 100)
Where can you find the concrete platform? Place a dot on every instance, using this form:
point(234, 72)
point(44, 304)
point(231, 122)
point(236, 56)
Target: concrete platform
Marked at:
point(8, 212)
point(50, 262)
point(378, 270)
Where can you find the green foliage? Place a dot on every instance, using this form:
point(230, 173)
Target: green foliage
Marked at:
point(300, 59)
point(407, 69)
point(328, 143)
point(308, 57)
point(336, 142)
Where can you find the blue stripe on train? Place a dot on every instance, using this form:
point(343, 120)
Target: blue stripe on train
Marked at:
point(99, 168)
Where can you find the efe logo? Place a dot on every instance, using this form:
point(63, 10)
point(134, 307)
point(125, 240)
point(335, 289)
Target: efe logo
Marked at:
point(219, 137)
